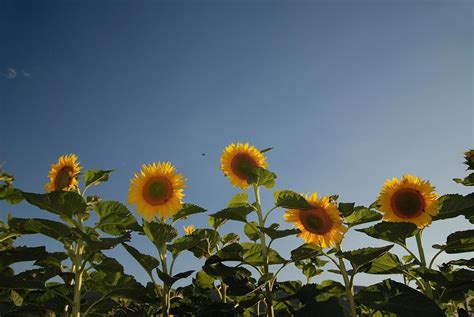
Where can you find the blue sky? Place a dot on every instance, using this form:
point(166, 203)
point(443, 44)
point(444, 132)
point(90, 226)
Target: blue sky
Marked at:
point(349, 93)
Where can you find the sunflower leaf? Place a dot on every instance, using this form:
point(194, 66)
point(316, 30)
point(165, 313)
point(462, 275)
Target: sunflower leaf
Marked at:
point(396, 232)
point(291, 200)
point(253, 254)
point(362, 215)
point(388, 263)
point(467, 181)
point(234, 213)
point(187, 210)
point(95, 177)
point(251, 231)
point(240, 199)
point(64, 204)
point(159, 233)
point(363, 256)
point(115, 218)
point(148, 262)
point(346, 209)
point(53, 229)
point(10, 194)
point(274, 233)
point(262, 177)
point(398, 298)
point(305, 251)
point(454, 205)
point(170, 280)
point(460, 241)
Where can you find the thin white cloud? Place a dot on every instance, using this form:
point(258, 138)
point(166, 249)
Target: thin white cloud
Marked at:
point(11, 73)
point(25, 74)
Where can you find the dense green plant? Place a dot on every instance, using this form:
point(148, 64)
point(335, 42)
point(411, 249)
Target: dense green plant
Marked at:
point(237, 278)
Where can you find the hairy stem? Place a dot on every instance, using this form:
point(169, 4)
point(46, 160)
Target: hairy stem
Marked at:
point(347, 284)
point(261, 223)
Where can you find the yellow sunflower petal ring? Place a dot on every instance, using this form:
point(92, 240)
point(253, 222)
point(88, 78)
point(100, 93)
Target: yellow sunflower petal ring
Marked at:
point(63, 174)
point(157, 190)
point(238, 160)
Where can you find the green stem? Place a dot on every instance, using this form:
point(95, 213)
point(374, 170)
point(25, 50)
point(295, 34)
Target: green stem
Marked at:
point(224, 293)
point(166, 290)
point(78, 275)
point(434, 258)
point(426, 284)
point(347, 284)
point(261, 223)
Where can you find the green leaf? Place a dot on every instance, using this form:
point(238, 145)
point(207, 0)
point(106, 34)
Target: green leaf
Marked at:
point(394, 297)
point(305, 251)
point(230, 238)
point(231, 252)
point(467, 181)
point(187, 210)
point(170, 280)
point(159, 233)
point(463, 262)
point(21, 254)
point(262, 177)
point(362, 215)
point(204, 280)
point(184, 243)
point(65, 204)
point(234, 213)
point(273, 232)
point(396, 232)
point(11, 194)
point(253, 254)
point(460, 241)
point(290, 200)
point(148, 262)
point(238, 200)
point(95, 177)
point(115, 218)
point(251, 231)
point(388, 263)
point(454, 205)
point(346, 209)
point(363, 256)
point(16, 298)
point(268, 149)
point(53, 229)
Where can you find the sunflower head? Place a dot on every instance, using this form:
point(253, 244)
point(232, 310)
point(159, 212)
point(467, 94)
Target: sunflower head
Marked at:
point(409, 199)
point(63, 174)
point(157, 190)
point(321, 225)
point(188, 230)
point(239, 160)
point(469, 156)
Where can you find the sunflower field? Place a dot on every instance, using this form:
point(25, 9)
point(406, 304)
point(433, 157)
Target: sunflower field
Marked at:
point(240, 274)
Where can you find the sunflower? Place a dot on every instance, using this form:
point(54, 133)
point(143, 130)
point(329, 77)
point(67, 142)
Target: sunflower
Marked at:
point(410, 199)
point(320, 225)
point(238, 161)
point(189, 230)
point(157, 190)
point(63, 174)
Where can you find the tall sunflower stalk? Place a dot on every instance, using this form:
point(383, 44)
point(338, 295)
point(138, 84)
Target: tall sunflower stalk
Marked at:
point(241, 163)
point(63, 177)
point(157, 191)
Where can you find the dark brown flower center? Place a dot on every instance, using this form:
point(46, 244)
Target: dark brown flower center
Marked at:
point(316, 220)
point(157, 191)
point(408, 203)
point(242, 165)
point(63, 178)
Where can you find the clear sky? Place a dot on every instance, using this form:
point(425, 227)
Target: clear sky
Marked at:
point(349, 93)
